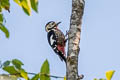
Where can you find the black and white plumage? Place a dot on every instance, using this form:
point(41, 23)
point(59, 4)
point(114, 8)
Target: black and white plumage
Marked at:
point(56, 39)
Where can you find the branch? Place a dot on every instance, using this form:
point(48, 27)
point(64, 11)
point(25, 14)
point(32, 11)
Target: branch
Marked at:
point(48, 75)
point(74, 40)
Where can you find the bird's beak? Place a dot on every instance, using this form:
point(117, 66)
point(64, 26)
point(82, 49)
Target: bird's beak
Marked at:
point(58, 23)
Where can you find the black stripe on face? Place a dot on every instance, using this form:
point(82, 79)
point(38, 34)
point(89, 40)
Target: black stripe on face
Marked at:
point(50, 22)
point(50, 25)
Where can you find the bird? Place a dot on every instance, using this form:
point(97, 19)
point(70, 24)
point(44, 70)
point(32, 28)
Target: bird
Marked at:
point(56, 39)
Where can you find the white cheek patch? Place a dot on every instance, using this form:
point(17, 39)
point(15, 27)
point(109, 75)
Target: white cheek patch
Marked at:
point(57, 51)
point(51, 40)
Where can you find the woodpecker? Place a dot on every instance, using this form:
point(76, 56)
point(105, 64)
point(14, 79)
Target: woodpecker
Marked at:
point(56, 39)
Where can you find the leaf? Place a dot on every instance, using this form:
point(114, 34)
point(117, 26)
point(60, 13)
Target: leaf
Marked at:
point(24, 74)
point(95, 79)
point(5, 4)
point(26, 11)
point(0, 9)
point(10, 70)
point(17, 63)
point(18, 2)
point(45, 70)
point(1, 18)
point(4, 29)
point(34, 5)
point(6, 63)
point(109, 74)
point(36, 77)
point(26, 5)
point(65, 78)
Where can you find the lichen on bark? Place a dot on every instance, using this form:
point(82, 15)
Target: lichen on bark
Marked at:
point(74, 39)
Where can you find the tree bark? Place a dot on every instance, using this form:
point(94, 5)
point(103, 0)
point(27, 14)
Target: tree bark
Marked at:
point(74, 40)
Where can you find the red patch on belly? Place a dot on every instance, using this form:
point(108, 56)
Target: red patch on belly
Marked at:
point(62, 49)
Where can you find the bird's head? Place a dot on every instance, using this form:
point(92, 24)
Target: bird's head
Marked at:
point(51, 25)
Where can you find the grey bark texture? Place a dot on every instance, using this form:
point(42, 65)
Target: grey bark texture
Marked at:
point(74, 40)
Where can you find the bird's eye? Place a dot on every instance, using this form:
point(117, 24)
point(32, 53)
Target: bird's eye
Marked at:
point(53, 23)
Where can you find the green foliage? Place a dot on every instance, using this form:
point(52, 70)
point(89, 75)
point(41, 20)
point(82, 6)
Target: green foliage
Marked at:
point(2, 27)
point(1, 18)
point(45, 70)
point(14, 67)
point(102, 79)
point(65, 78)
point(34, 4)
point(10, 70)
point(24, 74)
point(5, 4)
point(6, 63)
point(26, 5)
point(5, 30)
point(17, 63)
point(36, 77)
point(18, 2)
point(99, 79)
point(109, 74)
point(0, 9)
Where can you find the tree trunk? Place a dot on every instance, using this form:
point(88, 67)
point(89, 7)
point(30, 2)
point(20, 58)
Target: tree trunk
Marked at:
point(74, 40)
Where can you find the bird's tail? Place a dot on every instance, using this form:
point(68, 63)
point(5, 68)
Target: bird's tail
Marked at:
point(62, 57)
point(62, 54)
